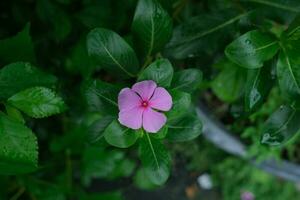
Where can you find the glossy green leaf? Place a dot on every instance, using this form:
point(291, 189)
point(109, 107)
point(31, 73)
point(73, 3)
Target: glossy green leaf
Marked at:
point(18, 47)
point(155, 159)
point(112, 53)
point(181, 105)
point(18, 146)
point(281, 126)
point(187, 80)
point(185, 129)
point(151, 25)
point(37, 102)
point(19, 76)
point(252, 49)
point(258, 85)
point(288, 70)
point(160, 71)
point(230, 82)
point(120, 136)
point(101, 96)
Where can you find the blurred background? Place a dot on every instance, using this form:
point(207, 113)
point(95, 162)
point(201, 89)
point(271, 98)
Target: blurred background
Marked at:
point(52, 35)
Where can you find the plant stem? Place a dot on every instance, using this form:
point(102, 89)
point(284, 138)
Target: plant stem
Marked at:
point(18, 194)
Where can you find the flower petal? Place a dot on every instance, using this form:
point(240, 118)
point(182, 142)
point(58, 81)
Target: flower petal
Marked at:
point(145, 89)
point(128, 99)
point(153, 121)
point(131, 118)
point(161, 99)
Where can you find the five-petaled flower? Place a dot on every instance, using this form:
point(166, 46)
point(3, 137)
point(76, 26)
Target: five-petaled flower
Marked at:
point(139, 106)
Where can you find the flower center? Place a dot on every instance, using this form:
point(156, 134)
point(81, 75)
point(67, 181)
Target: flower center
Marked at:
point(145, 104)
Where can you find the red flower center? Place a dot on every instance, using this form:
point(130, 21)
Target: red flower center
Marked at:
point(145, 104)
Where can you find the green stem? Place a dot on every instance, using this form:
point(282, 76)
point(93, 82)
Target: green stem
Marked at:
point(276, 5)
point(18, 194)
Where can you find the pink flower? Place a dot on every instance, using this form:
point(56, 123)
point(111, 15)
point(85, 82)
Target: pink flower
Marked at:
point(138, 106)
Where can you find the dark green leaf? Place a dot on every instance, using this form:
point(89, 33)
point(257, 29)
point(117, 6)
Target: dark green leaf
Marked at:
point(281, 126)
point(101, 96)
point(14, 113)
point(37, 102)
point(19, 76)
point(120, 136)
point(187, 80)
point(99, 163)
point(203, 33)
point(160, 71)
point(288, 70)
point(293, 32)
point(252, 49)
point(185, 129)
point(79, 60)
point(155, 159)
point(258, 85)
point(152, 26)
point(18, 146)
point(111, 52)
point(181, 105)
point(230, 82)
point(18, 47)
point(96, 129)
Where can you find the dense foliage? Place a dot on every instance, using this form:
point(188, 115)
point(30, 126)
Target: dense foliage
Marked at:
point(63, 64)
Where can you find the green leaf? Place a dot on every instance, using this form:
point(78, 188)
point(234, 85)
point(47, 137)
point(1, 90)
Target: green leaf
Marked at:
point(281, 126)
point(293, 32)
point(14, 113)
point(79, 60)
point(181, 105)
point(185, 129)
point(38, 102)
point(99, 163)
point(18, 47)
point(187, 80)
point(18, 146)
point(101, 96)
point(258, 85)
point(19, 76)
point(155, 159)
point(229, 83)
point(111, 52)
point(142, 181)
point(96, 129)
point(161, 134)
point(288, 70)
point(160, 71)
point(152, 26)
point(120, 136)
point(252, 49)
point(202, 33)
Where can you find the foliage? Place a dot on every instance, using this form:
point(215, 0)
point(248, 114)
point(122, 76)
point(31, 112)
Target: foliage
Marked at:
point(63, 64)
